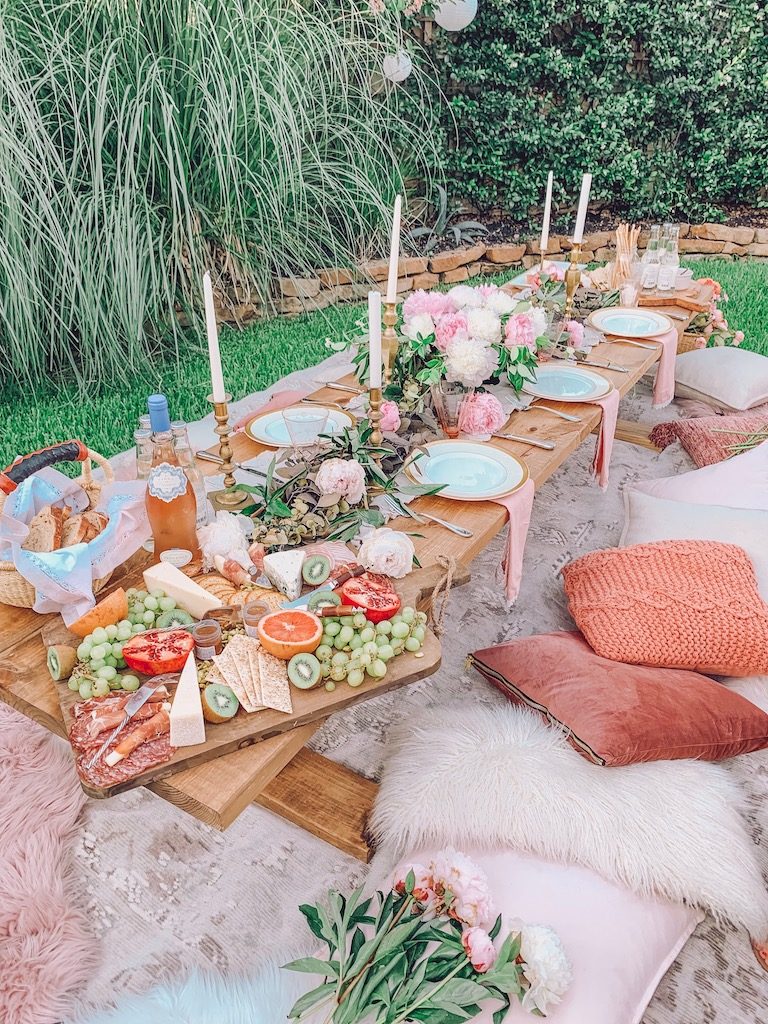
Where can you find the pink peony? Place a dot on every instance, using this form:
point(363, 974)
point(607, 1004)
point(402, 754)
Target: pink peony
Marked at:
point(575, 332)
point(342, 476)
point(434, 304)
point(519, 332)
point(553, 272)
point(700, 342)
point(467, 881)
point(481, 414)
point(533, 280)
point(707, 332)
point(390, 417)
point(486, 290)
point(422, 890)
point(479, 947)
point(738, 337)
point(448, 327)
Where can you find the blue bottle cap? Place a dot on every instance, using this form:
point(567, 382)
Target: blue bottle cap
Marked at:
point(158, 414)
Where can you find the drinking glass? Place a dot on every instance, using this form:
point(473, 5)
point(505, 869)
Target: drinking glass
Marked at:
point(448, 397)
point(304, 424)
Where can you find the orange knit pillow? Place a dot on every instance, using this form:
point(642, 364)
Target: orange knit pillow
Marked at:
point(676, 604)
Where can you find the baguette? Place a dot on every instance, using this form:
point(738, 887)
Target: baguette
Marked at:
point(43, 532)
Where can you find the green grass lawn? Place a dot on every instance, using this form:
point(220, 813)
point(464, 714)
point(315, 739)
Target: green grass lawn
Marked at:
point(258, 356)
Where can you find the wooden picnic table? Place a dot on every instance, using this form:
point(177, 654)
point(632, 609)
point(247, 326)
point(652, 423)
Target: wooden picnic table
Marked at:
point(319, 795)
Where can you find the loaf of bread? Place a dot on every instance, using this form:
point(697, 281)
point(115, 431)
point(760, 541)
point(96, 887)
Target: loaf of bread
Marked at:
point(56, 527)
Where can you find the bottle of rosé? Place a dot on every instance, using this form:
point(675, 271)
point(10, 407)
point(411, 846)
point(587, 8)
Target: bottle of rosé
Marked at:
point(171, 501)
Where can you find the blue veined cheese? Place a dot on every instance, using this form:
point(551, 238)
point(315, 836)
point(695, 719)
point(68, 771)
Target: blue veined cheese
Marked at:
point(283, 570)
point(187, 722)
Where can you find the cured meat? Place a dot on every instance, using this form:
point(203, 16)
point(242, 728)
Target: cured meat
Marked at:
point(89, 731)
point(127, 742)
point(148, 755)
point(114, 701)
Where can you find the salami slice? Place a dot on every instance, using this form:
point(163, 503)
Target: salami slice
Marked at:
point(89, 731)
point(146, 756)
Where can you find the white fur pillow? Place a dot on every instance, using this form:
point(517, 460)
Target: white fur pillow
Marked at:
point(500, 778)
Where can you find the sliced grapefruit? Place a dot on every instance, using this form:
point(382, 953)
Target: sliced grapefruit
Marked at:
point(290, 631)
point(107, 612)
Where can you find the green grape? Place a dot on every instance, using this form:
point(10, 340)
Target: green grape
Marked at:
point(327, 640)
point(419, 632)
point(355, 678)
point(121, 662)
point(346, 633)
point(397, 617)
point(86, 689)
point(324, 652)
point(338, 643)
point(101, 688)
point(139, 627)
point(371, 648)
point(96, 665)
point(110, 661)
point(325, 669)
point(340, 658)
point(382, 640)
point(412, 644)
point(386, 653)
point(100, 651)
point(398, 645)
point(356, 643)
point(130, 683)
point(117, 650)
point(151, 603)
point(111, 632)
point(400, 630)
point(421, 618)
point(157, 594)
point(377, 669)
point(333, 628)
point(338, 673)
point(408, 615)
point(368, 634)
point(364, 659)
point(124, 624)
point(141, 594)
point(84, 651)
point(116, 683)
point(73, 683)
point(108, 672)
point(149, 618)
point(347, 620)
point(124, 633)
point(384, 628)
point(131, 592)
point(167, 604)
point(138, 609)
point(330, 686)
point(359, 620)
point(99, 635)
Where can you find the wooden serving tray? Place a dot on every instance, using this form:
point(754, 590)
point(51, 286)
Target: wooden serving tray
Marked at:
point(245, 729)
point(695, 299)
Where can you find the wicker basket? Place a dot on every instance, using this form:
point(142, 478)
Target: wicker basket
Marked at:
point(687, 342)
point(14, 589)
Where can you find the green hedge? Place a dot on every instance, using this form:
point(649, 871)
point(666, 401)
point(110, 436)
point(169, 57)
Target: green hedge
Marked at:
point(664, 102)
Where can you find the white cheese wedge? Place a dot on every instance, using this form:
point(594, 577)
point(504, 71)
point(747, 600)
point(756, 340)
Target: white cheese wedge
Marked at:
point(187, 722)
point(186, 593)
point(283, 570)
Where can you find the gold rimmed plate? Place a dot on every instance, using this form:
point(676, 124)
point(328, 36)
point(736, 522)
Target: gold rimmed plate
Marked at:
point(468, 470)
point(269, 428)
point(629, 322)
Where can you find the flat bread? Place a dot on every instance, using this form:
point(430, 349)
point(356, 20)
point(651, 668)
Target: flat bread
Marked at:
point(275, 688)
point(226, 665)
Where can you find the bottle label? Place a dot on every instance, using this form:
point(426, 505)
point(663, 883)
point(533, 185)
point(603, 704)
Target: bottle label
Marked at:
point(167, 482)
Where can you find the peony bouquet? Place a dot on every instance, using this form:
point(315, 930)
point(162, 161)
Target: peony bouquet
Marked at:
point(710, 326)
point(427, 951)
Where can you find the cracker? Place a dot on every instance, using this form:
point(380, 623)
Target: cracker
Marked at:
point(275, 688)
point(226, 664)
point(244, 648)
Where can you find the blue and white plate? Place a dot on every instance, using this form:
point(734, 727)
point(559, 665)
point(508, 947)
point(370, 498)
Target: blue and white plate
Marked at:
point(566, 383)
point(629, 322)
point(469, 470)
point(269, 427)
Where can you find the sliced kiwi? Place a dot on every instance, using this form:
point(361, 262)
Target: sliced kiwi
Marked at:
point(304, 671)
point(219, 703)
point(61, 660)
point(316, 569)
point(175, 617)
point(326, 599)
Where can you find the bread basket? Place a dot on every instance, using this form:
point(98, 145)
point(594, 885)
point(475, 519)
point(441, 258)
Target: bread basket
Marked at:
point(14, 589)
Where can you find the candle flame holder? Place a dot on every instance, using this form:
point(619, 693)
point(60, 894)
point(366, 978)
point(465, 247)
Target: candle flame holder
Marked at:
point(389, 340)
point(374, 415)
point(572, 280)
point(228, 499)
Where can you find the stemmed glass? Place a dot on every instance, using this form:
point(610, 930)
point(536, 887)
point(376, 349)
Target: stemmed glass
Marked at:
point(304, 426)
point(448, 397)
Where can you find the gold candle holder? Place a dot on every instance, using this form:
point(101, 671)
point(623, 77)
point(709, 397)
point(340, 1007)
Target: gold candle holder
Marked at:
point(572, 280)
point(389, 340)
point(227, 499)
point(374, 415)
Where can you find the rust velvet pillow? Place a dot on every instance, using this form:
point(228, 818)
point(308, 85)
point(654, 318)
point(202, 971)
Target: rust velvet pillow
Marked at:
point(675, 604)
point(623, 714)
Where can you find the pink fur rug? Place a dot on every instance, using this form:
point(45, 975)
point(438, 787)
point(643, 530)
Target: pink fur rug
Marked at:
point(46, 949)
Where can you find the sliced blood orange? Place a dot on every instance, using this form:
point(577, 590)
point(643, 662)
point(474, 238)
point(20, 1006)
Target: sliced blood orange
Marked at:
point(290, 632)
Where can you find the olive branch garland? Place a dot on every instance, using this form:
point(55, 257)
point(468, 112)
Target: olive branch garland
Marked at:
point(412, 968)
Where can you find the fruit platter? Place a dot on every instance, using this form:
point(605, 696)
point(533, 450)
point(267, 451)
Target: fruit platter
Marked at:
point(220, 660)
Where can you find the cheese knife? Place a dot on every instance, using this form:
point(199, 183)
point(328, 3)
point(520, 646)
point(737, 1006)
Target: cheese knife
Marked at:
point(330, 584)
point(136, 701)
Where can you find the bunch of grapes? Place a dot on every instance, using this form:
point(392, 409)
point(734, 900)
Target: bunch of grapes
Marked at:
point(353, 646)
point(101, 652)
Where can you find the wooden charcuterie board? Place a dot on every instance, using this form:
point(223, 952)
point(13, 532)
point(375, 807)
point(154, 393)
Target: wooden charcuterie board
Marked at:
point(695, 299)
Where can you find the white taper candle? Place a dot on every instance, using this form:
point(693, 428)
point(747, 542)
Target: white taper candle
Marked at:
point(394, 252)
point(581, 213)
point(374, 333)
point(214, 356)
point(547, 212)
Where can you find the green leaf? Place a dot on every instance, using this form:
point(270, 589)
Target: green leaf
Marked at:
point(435, 1015)
point(358, 941)
point(496, 928)
point(311, 965)
point(313, 920)
point(510, 948)
point(397, 936)
point(462, 991)
point(312, 998)
point(507, 979)
point(501, 1013)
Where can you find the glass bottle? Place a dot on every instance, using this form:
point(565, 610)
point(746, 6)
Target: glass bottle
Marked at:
point(651, 258)
point(143, 441)
point(145, 422)
point(170, 500)
point(670, 259)
point(187, 460)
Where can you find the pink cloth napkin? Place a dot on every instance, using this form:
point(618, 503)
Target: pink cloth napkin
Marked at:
point(519, 506)
point(664, 388)
point(601, 464)
point(280, 400)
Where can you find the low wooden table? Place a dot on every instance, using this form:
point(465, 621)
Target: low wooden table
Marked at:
point(312, 791)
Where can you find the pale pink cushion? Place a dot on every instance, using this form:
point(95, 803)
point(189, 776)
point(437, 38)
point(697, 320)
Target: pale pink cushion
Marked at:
point(740, 482)
point(620, 945)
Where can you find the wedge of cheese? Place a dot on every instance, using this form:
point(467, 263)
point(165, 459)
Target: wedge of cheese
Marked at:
point(187, 722)
point(187, 594)
point(283, 570)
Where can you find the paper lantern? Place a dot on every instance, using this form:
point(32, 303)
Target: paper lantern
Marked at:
point(397, 66)
point(454, 15)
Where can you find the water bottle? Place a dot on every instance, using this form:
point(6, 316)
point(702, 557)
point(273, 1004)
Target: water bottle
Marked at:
point(187, 460)
point(143, 441)
point(670, 259)
point(651, 258)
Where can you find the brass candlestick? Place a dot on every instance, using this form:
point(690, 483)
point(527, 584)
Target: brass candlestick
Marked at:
point(374, 415)
point(389, 340)
point(228, 499)
point(572, 280)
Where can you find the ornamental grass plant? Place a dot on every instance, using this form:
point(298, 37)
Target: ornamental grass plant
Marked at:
point(144, 140)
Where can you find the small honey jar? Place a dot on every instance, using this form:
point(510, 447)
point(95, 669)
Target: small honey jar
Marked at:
point(207, 637)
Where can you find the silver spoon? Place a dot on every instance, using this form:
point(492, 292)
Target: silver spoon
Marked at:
point(548, 446)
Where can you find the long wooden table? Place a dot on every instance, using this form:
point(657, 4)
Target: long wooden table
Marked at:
point(319, 795)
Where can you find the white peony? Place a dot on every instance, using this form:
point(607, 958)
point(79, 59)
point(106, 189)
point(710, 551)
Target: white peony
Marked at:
point(470, 362)
point(484, 325)
point(387, 551)
point(464, 296)
point(546, 967)
point(421, 324)
point(539, 321)
point(500, 303)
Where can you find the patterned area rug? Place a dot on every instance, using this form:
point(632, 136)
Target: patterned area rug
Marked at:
point(167, 894)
